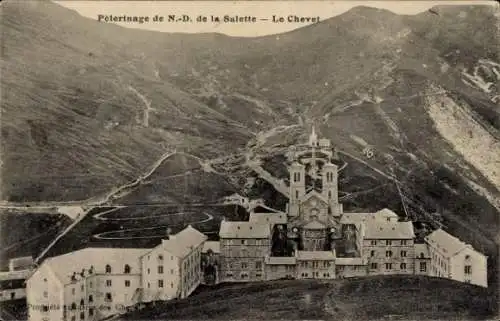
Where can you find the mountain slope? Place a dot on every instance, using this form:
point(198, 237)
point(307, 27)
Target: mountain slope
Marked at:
point(369, 298)
point(73, 110)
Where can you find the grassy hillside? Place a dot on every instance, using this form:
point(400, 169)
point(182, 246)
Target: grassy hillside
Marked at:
point(73, 105)
point(26, 234)
point(370, 298)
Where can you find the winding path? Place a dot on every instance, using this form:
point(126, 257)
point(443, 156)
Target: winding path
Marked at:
point(102, 236)
point(113, 194)
point(69, 228)
point(99, 216)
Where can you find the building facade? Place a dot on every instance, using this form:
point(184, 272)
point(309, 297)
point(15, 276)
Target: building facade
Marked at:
point(453, 259)
point(96, 283)
point(422, 260)
point(315, 264)
point(243, 246)
point(173, 268)
point(388, 247)
point(89, 284)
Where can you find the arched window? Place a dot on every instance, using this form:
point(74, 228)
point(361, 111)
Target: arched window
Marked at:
point(73, 306)
point(108, 268)
point(421, 255)
point(82, 302)
point(91, 298)
point(329, 194)
point(126, 270)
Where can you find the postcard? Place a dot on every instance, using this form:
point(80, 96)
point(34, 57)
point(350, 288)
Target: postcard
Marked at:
point(249, 160)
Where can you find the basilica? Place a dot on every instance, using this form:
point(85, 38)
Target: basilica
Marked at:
point(314, 238)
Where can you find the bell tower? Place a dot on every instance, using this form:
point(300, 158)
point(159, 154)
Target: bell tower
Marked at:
point(297, 186)
point(330, 183)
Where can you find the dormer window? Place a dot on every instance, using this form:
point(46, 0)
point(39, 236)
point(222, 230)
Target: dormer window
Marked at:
point(160, 257)
point(108, 268)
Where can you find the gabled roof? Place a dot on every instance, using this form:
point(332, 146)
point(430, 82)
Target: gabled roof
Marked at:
point(445, 243)
point(280, 260)
point(314, 225)
point(244, 230)
point(382, 215)
point(350, 261)
point(375, 229)
point(182, 243)
point(311, 194)
point(315, 255)
point(268, 218)
point(385, 213)
point(355, 218)
point(64, 265)
point(262, 208)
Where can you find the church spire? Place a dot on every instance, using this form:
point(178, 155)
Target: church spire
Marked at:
point(313, 138)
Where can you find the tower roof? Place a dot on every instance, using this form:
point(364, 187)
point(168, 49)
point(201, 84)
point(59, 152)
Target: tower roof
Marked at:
point(313, 138)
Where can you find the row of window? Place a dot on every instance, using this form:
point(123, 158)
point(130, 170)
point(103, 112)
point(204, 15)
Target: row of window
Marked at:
point(315, 264)
point(161, 284)
point(244, 265)
point(354, 267)
point(160, 270)
point(82, 315)
point(82, 288)
point(288, 268)
point(108, 298)
point(160, 257)
point(389, 242)
point(243, 275)
point(314, 274)
point(389, 266)
point(257, 242)
point(389, 253)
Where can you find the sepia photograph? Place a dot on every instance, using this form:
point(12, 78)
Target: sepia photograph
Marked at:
point(249, 160)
